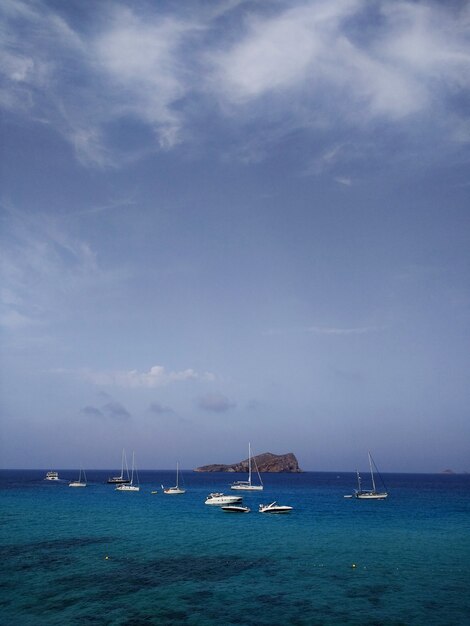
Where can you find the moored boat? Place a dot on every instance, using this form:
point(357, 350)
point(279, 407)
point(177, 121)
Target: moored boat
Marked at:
point(52, 476)
point(274, 507)
point(121, 479)
point(176, 490)
point(247, 485)
point(219, 499)
point(233, 508)
point(368, 494)
point(129, 486)
point(81, 482)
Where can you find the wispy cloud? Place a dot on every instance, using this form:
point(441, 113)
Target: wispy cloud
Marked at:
point(43, 268)
point(160, 409)
point(112, 410)
point(314, 60)
point(156, 376)
point(324, 330)
point(215, 403)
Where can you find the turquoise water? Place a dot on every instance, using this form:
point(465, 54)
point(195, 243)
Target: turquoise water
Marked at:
point(174, 560)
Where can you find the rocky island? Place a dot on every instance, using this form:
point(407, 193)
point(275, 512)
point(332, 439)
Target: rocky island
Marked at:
point(266, 462)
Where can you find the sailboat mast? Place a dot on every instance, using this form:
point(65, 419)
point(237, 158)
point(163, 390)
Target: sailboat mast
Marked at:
point(249, 463)
point(371, 473)
point(132, 471)
point(358, 480)
point(177, 474)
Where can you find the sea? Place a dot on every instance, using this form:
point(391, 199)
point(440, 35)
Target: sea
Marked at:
point(95, 555)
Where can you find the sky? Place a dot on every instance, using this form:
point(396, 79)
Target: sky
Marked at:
point(231, 222)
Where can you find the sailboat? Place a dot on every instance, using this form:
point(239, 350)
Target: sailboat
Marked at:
point(121, 479)
point(129, 486)
point(176, 489)
point(368, 494)
point(247, 485)
point(80, 482)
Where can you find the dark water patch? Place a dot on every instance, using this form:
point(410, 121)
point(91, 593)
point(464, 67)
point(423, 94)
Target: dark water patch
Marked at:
point(129, 576)
point(71, 543)
point(44, 556)
point(372, 593)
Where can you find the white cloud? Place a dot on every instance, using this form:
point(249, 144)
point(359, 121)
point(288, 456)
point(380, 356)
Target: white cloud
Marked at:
point(313, 53)
point(157, 376)
point(314, 60)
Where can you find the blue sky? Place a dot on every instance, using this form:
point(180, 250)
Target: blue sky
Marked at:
point(231, 222)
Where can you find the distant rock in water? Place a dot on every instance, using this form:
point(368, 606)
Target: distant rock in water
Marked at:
point(266, 462)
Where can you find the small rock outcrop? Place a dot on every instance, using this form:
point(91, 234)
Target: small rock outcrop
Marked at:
point(266, 462)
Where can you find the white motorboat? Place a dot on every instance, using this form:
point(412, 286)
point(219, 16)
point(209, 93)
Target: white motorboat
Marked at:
point(368, 494)
point(130, 485)
point(247, 485)
point(52, 476)
point(121, 479)
point(233, 508)
point(274, 508)
point(81, 482)
point(219, 499)
point(176, 489)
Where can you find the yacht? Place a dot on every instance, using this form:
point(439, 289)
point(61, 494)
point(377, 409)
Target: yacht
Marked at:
point(129, 486)
point(121, 479)
point(81, 482)
point(247, 485)
point(233, 508)
point(52, 476)
point(176, 489)
point(368, 494)
point(218, 499)
point(274, 508)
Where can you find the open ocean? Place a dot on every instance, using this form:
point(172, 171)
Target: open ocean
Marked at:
point(174, 560)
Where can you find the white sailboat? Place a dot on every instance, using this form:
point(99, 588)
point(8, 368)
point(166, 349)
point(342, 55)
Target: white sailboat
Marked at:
point(80, 482)
point(121, 479)
point(176, 489)
point(247, 485)
point(130, 485)
point(368, 494)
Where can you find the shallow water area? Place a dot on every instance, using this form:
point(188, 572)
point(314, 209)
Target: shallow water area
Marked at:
point(99, 556)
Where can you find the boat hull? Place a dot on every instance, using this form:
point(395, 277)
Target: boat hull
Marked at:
point(371, 496)
point(235, 509)
point(127, 488)
point(247, 487)
point(77, 484)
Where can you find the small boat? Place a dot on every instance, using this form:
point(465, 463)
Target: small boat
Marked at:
point(80, 482)
point(52, 476)
point(247, 485)
point(368, 494)
point(176, 489)
point(274, 508)
point(130, 485)
point(233, 508)
point(121, 479)
point(219, 499)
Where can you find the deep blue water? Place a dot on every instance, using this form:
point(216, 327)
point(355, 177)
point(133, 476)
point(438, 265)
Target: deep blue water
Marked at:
point(174, 560)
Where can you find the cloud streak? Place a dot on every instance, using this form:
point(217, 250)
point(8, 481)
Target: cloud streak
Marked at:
point(159, 71)
point(156, 376)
